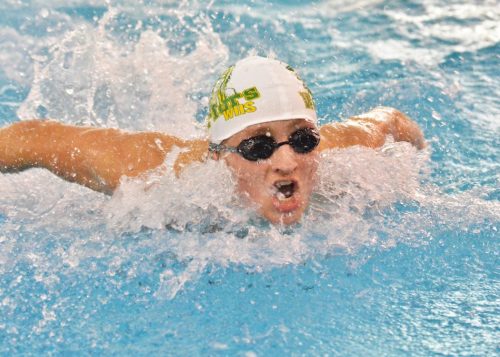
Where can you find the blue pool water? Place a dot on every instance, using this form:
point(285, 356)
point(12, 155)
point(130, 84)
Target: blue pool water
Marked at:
point(405, 263)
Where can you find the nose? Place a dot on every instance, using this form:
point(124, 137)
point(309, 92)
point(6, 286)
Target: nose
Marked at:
point(284, 161)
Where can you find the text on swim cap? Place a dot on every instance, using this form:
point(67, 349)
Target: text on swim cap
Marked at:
point(230, 105)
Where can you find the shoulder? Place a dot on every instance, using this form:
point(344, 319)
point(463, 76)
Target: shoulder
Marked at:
point(371, 129)
point(358, 130)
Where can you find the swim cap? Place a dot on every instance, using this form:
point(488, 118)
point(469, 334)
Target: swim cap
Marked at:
point(257, 90)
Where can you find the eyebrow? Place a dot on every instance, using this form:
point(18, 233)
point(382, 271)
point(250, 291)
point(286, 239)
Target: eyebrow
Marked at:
point(293, 125)
point(261, 131)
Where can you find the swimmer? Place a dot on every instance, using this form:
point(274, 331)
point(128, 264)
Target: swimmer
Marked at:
point(261, 121)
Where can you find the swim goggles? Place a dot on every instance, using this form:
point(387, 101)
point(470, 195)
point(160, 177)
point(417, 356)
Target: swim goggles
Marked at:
point(262, 147)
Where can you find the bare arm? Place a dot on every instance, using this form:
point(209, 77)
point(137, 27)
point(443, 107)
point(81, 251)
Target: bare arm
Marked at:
point(98, 157)
point(370, 129)
point(93, 157)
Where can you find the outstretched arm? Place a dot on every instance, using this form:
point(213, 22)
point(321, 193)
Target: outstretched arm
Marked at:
point(370, 129)
point(93, 157)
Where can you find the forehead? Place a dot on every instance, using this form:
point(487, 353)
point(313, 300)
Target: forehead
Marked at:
point(275, 128)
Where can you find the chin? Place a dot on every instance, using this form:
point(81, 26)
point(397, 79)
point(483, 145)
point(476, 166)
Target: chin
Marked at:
point(284, 218)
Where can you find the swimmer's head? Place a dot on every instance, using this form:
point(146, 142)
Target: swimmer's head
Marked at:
point(263, 121)
point(257, 90)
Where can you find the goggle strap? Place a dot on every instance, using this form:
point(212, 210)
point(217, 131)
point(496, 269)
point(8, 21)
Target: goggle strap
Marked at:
point(212, 147)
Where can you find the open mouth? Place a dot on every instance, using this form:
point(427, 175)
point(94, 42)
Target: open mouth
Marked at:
point(285, 188)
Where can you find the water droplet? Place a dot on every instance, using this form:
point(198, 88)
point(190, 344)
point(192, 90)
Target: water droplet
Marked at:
point(436, 115)
point(44, 13)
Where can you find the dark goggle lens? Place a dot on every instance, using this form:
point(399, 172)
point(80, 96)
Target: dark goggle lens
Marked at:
point(257, 148)
point(304, 140)
point(262, 147)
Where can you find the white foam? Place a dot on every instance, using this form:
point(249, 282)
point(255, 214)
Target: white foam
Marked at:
point(91, 76)
point(198, 218)
point(88, 74)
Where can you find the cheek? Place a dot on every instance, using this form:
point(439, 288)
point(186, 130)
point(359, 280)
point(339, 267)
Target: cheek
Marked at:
point(309, 176)
point(249, 175)
point(310, 167)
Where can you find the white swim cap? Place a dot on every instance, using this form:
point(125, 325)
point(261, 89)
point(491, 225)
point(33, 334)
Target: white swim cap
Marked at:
point(257, 90)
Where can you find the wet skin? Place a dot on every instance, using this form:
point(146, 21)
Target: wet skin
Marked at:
point(99, 157)
point(258, 182)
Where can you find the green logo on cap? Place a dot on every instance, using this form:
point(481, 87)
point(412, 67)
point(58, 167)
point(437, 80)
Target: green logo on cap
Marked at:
point(225, 101)
point(308, 100)
point(307, 94)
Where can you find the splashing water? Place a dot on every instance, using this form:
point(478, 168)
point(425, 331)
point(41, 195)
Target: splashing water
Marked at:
point(92, 76)
point(158, 239)
point(198, 218)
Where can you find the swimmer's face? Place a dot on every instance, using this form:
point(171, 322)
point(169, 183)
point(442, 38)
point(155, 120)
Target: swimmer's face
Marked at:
point(281, 185)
